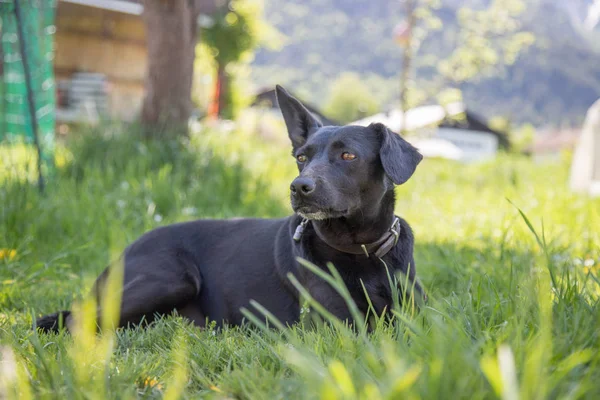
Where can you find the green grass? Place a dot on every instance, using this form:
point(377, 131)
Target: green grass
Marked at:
point(513, 308)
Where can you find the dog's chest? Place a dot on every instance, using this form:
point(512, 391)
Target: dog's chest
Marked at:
point(365, 278)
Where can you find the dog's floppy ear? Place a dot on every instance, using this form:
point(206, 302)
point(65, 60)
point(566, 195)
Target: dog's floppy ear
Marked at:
point(299, 121)
point(398, 157)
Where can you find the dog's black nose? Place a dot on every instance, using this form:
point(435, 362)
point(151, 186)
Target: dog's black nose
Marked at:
point(303, 186)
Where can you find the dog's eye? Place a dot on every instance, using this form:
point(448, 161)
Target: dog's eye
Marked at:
point(348, 156)
point(301, 158)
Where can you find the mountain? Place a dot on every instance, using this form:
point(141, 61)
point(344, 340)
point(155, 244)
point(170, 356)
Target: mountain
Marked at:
point(551, 83)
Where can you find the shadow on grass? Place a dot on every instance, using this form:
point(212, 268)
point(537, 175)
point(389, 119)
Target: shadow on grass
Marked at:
point(480, 297)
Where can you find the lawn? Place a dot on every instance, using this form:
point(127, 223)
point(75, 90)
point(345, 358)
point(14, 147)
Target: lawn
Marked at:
point(510, 259)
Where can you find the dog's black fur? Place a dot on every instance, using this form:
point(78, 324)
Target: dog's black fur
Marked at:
point(210, 269)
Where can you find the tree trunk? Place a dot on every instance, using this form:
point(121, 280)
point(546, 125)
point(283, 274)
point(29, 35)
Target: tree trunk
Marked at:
point(171, 34)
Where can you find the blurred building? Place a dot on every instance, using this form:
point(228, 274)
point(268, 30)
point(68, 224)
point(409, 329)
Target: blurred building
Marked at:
point(451, 132)
point(100, 59)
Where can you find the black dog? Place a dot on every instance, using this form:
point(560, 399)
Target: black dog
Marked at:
point(344, 201)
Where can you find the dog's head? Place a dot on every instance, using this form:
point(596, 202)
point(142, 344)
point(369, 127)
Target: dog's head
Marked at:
point(343, 169)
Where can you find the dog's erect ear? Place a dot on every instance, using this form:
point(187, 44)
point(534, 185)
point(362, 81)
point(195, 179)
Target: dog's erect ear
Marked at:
point(398, 157)
point(299, 121)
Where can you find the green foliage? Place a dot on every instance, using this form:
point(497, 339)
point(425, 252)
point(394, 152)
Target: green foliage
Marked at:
point(350, 99)
point(2, 106)
point(328, 37)
point(522, 137)
point(487, 40)
point(496, 323)
point(501, 124)
point(425, 21)
point(449, 96)
point(232, 34)
point(204, 76)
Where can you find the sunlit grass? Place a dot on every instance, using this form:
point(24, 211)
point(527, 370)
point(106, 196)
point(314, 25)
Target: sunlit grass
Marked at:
point(498, 325)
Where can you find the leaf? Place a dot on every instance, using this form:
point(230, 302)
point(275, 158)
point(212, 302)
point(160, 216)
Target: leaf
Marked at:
point(342, 378)
point(406, 381)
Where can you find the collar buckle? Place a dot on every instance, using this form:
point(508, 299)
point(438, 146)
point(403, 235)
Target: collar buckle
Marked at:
point(300, 230)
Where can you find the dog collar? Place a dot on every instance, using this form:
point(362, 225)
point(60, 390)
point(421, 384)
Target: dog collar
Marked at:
point(379, 248)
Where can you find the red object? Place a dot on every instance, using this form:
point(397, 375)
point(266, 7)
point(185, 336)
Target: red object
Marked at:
point(402, 33)
point(61, 97)
point(213, 109)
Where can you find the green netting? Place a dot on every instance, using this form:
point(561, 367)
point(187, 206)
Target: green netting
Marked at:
point(38, 37)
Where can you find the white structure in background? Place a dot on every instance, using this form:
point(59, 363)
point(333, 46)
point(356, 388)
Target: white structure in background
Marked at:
point(585, 169)
point(416, 118)
point(438, 138)
point(438, 148)
point(475, 145)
